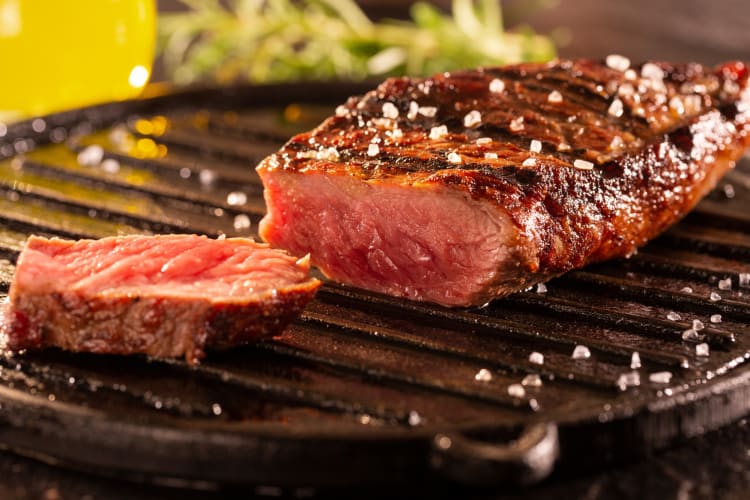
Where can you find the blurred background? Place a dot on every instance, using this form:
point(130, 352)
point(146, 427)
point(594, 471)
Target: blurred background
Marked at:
point(60, 55)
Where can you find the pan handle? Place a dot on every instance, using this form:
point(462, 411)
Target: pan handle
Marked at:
point(528, 459)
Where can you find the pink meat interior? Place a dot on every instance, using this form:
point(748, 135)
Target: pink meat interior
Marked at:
point(167, 266)
point(423, 242)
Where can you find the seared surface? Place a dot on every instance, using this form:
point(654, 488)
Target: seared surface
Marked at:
point(623, 153)
point(170, 295)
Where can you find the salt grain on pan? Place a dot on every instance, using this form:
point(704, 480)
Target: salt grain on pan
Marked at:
point(484, 140)
point(702, 350)
point(483, 375)
point(236, 198)
point(373, 149)
point(490, 156)
point(555, 97)
point(472, 119)
point(635, 361)
point(725, 284)
point(630, 379)
point(242, 222)
point(583, 165)
point(698, 325)
point(692, 335)
point(581, 352)
point(516, 390)
point(660, 377)
point(686, 289)
point(744, 280)
point(390, 110)
point(541, 288)
point(532, 380)
point(536, 146)
point(714, 297)
point(529, 162)
point(537, 358)
point(673, 316)
point(618, 62)
point(342, 110)
point(454, 157)
point(497, 86)
point(716, 318)
point(414, 418)
point(91, 156)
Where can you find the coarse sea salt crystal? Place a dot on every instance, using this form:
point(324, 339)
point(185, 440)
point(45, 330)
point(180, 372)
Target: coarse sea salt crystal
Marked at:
point(725, 284)
point(698, 325)
point(583, 165)
point(715, 318)
point(428, 111)
point(581, 352)
point(660, 377)
point(537, 358)
point(541, 288)
point(341, 111)
point(714, 297)
point(516, 390)
point(536, 146)
point(652, 72)
point(630, 379)
point(413, 110)
point(635, 361)
point(497, 86)
point(390, 110)
point(529, 162)
point(555, 97)
point(673, 316)
point(490, 156)
point(617, 62)
point(373, 149)
point(616, 109)
point(686, 289)
point(483, 375)
point(532, 380)
point(677, 105)
point(484, 140)
point(516, 125)
point(702, 350)
point(454, 157)
point(472, 119)
point(438, 132)
point(692, 335)
point(744, 280)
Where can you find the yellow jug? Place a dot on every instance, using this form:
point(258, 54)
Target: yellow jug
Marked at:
point(61, 54)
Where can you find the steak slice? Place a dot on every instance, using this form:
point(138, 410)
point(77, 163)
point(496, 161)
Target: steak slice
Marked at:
point(164, 296)
point(467, 186)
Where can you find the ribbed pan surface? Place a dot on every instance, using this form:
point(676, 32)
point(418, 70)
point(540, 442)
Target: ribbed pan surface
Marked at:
point(357, 390)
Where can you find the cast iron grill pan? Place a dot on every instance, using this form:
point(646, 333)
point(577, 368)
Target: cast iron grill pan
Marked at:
point(364, 388)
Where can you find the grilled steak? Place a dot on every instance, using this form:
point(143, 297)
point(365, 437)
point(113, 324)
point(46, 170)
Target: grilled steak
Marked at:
point(164, 296)
point(467, 186)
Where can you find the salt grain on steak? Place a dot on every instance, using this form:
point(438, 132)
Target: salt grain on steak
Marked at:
point(164, 296)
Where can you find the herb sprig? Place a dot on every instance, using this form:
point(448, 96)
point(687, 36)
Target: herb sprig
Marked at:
point(278, 40)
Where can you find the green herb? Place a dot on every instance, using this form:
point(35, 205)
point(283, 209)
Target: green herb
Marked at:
point(277, 40)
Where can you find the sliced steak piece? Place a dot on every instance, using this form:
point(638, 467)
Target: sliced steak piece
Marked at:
point(164, 296)
point(467, 186)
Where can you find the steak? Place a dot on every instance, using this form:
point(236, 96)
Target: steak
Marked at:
point(164, 296)
point(467, 186)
